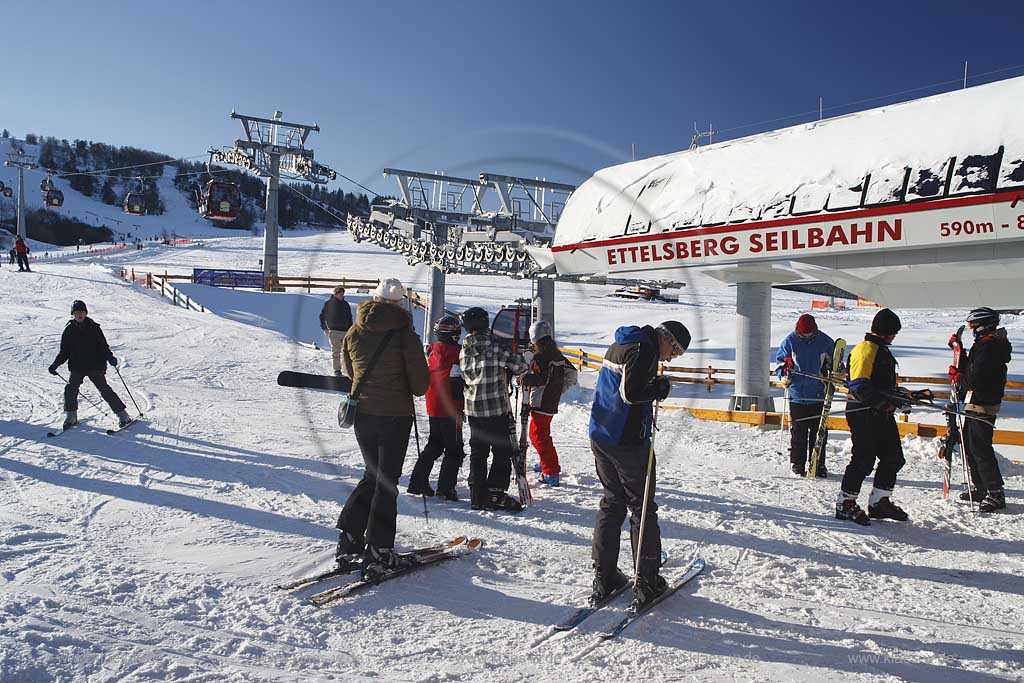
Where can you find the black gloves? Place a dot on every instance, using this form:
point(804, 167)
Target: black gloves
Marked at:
point(662, 387)
point(52, 369)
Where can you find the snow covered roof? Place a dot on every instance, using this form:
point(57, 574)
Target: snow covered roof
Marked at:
point(964, 142)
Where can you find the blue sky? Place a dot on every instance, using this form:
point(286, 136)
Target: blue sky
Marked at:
point(539, 89)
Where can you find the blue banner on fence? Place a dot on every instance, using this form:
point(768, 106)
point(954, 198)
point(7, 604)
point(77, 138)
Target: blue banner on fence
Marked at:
point(228, 278)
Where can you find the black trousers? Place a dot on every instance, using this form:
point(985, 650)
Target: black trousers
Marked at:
point(981, 458)
point(23, 262)
point(486, 435)
point(371, 512)
point(445, 438)
point(875, 437)
point(623, 473)
point(99, 380)
point(803, 432)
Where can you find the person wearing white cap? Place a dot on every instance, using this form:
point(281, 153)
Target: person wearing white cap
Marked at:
point(384, 357)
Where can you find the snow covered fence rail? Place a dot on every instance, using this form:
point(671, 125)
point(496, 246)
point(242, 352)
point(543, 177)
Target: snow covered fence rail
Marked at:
point(163, 283)
point(707, 376)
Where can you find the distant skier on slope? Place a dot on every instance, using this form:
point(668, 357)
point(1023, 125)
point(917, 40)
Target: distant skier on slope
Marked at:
point(445, 411)
point(382, 423)
point(870, 413)
point(805, 350)
point(335, 319)
point(983, 379)
point(84, 348)
point(21, 251)
point(544, 384)
point(484, 363)
point(620, 437)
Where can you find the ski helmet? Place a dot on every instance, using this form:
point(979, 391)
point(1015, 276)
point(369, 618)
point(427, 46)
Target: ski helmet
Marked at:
point(983, 318)
point(475, 320)
point(886, 323)
point(539, 330)
point(448, 328)
point(78, 305)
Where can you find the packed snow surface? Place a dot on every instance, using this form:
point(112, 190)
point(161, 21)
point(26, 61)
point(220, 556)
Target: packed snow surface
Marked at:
point(150, 555)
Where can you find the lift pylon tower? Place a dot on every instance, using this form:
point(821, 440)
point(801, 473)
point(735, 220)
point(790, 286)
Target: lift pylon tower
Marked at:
point(273, 148)
point(21, 161)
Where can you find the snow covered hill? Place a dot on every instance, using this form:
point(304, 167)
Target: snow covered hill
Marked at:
point(149, 555)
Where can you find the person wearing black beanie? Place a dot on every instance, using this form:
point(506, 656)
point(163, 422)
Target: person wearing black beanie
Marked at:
point(870, 412)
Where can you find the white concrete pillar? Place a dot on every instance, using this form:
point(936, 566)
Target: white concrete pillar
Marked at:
point(753, 345)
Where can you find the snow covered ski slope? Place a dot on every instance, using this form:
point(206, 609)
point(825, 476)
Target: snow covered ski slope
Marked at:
point(152, 556)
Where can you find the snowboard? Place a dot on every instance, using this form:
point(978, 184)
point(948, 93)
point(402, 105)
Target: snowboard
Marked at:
point(304, 380)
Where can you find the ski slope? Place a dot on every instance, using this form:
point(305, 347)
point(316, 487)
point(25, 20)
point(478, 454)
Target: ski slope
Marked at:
point(149, 555)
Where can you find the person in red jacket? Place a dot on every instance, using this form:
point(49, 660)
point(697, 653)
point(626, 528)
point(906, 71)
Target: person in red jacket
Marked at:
point(444, 410)
point(543, 385)
point(21, 251)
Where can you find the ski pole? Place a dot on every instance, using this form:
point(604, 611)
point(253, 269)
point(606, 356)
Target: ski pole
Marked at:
point(84, 395)
point(416, 430)
point(128, 390)
point(647, 496)
point(785, 410)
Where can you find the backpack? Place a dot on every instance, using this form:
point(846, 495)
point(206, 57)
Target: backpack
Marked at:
point(570, 376)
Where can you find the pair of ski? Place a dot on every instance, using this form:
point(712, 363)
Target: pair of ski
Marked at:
point(584, 613)
point(422, 557)
point(114, 430)
point(821, 438)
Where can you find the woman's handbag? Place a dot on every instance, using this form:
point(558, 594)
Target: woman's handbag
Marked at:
point(349, 405)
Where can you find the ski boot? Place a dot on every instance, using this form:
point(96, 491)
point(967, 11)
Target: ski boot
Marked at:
point(498, 500)
point(798, 469)
point(847, 508)
point(604, 586)
point(123, 419)
point(70, 419)
point(995, 500)
point(449, 495)
point(377, 562)
point(880, 506)
point(418, 489)
point(538, 468)
point(645, 589)
point(349, 551)
point(549, 480)
point(976, 495)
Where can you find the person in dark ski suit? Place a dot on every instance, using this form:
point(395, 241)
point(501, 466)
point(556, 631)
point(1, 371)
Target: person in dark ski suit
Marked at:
point(84, 348)
point(543, 385)
point(621, 422)
point(335, 319)
point(874, 398)
point(382, 424)
point(806, 350)
point(982, 382)
point(445, 412)
point(484, 364)
point(21, 251)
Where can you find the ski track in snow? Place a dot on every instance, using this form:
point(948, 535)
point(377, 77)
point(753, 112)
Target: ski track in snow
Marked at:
point(150, 555)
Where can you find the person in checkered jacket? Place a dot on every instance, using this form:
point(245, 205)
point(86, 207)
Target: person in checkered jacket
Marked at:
point(484, 364)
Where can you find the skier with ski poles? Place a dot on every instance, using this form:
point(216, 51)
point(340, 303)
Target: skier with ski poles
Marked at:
point(874, 432)
point(983, 380)
point(622, 440)
point(84, 348)
point(549, 376)
point(384, 357)
point(484, 363)
point(806, 349)
point(445, 412)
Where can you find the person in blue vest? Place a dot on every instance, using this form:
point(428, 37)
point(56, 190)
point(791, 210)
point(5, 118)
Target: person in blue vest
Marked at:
point(621, 421)
point(806, 349)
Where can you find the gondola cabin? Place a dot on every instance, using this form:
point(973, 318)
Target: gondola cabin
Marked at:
point(135, 204)
point(220, 201)
point(54, 198)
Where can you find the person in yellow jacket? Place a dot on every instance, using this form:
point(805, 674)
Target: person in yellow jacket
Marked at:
point(874, 397)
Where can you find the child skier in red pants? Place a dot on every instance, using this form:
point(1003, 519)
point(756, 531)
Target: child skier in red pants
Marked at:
point(544, 384)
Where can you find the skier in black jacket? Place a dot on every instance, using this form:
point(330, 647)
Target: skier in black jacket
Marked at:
point(335, 319)
point(84, 348)
point(983, 379)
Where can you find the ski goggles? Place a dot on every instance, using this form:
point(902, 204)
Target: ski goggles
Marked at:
point(677, 348)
